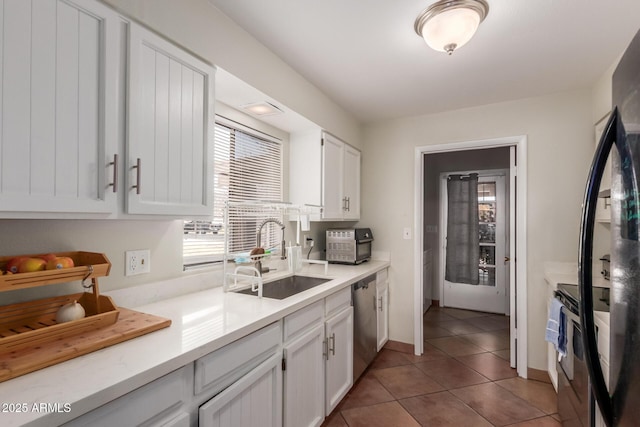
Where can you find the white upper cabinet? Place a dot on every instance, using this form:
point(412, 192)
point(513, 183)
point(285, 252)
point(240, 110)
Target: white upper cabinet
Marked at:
point(332, 177)
point(58, 78)
point(351, 184)
point(325, 171)
point(170, 142)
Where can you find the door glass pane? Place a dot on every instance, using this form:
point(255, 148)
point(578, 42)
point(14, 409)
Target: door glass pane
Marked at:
point(486, 212)
point(487, 255)
point(488, 276)
point(487, 233)
point(486, 192)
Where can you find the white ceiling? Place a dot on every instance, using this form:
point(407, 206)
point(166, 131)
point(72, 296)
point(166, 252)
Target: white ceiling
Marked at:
point(365, 55)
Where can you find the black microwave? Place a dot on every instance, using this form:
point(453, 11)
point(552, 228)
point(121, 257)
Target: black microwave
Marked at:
point(349, 245)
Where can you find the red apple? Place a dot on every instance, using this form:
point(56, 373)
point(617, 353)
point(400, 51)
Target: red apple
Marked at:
point(48, 257)
point(13, 263)
point(29, 265)
point(59, 263)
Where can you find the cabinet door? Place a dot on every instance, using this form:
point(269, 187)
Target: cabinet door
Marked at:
point(170, 143)
point(253, 401)
point(332, 177)
point(58, 75)
point(382, 300)
point(339, 365)
point(351, 184)
point(304, 379)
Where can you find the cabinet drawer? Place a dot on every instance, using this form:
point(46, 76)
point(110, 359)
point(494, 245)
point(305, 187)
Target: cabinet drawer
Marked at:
point(221, 368)
point(161, 402)
point(338, 301)
point(382, 276)
point(302, 319)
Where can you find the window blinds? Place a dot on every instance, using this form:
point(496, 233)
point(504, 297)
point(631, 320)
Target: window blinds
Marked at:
point(246, 168)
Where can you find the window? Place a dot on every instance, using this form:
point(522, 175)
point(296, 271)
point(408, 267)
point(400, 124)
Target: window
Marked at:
point(247, 167)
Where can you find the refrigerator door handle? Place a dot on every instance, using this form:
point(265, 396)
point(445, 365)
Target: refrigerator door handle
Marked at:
point(589, 339)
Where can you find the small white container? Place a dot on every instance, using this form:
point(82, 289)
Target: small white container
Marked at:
point(294, 258)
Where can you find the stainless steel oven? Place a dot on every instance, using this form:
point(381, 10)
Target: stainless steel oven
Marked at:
point(575, 401)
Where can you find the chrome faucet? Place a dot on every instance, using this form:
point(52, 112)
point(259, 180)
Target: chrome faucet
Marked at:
point(258, 243)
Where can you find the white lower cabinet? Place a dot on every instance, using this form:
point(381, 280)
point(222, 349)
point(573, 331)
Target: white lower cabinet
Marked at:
point(339, 365)
point(240, 385)
point(304, 379)
point(382, 307)
point(163, 402)
point(253, 401)
point(603, 354)
point(318, 353)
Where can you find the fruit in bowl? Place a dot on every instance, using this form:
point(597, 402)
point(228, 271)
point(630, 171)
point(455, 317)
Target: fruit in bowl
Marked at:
point(59, 263)
point(30, 265)
point(48, 257)
point(14, 263)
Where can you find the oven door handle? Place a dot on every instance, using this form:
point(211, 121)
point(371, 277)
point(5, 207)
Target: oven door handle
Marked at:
point(589, 339)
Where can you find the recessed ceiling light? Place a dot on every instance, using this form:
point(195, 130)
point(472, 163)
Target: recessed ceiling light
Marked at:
point(262, 109)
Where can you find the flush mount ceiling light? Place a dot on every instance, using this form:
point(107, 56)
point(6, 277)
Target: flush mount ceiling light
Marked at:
point(262, 109)
point(449, 24)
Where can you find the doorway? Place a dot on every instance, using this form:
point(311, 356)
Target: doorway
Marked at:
point(517, 285)
point(486, 291)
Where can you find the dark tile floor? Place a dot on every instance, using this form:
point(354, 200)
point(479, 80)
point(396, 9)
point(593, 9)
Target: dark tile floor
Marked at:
point(462, 379)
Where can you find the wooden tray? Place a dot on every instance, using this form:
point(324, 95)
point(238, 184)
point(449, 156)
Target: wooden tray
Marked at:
point(33, 323)
point(88, 265)
point(130, 324)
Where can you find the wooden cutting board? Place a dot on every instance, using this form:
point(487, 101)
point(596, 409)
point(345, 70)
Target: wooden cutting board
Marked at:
point(130, 324)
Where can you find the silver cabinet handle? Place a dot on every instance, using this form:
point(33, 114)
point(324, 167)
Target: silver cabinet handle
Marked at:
point(114, 184)
point(380, 304)
point(137, 167)
point(348, 204)
point(332, 348)
point(325, 348)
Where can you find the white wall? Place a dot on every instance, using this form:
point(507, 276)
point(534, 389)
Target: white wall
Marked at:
point(560, 145)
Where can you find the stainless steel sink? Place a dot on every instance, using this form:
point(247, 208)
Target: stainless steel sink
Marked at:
point(287, 286)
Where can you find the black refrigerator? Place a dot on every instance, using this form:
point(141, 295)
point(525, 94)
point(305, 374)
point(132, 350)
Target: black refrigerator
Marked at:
point(620, 405)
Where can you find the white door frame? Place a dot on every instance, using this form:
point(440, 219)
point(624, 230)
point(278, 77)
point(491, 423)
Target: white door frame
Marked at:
point(518, 290)
point(504, 174)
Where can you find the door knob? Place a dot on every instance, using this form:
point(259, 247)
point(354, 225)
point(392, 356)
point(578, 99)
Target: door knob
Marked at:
point(507, 259)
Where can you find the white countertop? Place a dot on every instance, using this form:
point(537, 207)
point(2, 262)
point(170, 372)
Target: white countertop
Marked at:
point(202, 322)
point(567, 272)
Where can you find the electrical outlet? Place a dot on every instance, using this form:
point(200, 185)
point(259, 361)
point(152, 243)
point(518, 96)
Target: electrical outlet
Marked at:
point(137, 262)
point(306, 241)
point(406, 233)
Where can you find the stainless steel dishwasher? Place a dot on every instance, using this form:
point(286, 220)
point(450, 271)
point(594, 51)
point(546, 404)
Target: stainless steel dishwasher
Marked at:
point(365, 325)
